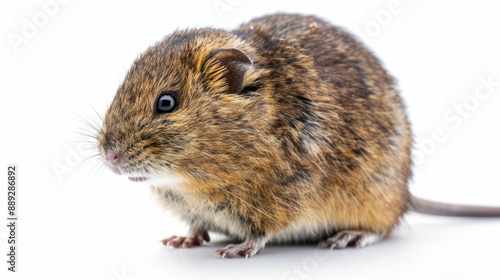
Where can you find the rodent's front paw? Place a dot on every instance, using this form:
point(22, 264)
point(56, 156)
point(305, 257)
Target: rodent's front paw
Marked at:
point(186, 242)
point(247, 249)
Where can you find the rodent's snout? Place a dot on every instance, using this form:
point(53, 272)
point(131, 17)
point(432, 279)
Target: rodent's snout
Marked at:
point(111, 153)
point(117, 161)
point(114, 158)
point(130, 158)
point(132, 150)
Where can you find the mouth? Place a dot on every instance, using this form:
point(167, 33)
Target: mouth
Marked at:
point(138, 179)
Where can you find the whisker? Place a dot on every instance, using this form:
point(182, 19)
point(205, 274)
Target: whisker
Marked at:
point(84, 141)
point(98, 165)
point(85, 134)
point(93, 108)
point(91, 157)
point(89, 129)
point(97, 113)
point(83, 120)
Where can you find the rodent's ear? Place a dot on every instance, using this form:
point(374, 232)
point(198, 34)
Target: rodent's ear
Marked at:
point(237, 64)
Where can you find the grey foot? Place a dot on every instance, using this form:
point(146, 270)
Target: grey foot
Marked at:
point(358, 239)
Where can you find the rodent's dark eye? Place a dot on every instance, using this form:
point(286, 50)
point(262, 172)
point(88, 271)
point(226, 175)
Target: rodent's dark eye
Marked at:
point(166, 103)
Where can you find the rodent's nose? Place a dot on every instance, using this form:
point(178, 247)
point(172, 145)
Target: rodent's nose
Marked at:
point(114, 158)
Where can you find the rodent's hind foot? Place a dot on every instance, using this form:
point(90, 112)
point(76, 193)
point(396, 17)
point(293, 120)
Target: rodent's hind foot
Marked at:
point(247, 249)
point(358, 239)
point(195, 239)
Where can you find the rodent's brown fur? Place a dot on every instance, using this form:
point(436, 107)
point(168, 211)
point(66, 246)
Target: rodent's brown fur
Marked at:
point(316, 142)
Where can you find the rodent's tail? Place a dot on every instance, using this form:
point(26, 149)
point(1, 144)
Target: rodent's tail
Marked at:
point(455, 210)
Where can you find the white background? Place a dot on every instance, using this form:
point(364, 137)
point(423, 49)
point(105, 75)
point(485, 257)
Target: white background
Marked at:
point(86, 223)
